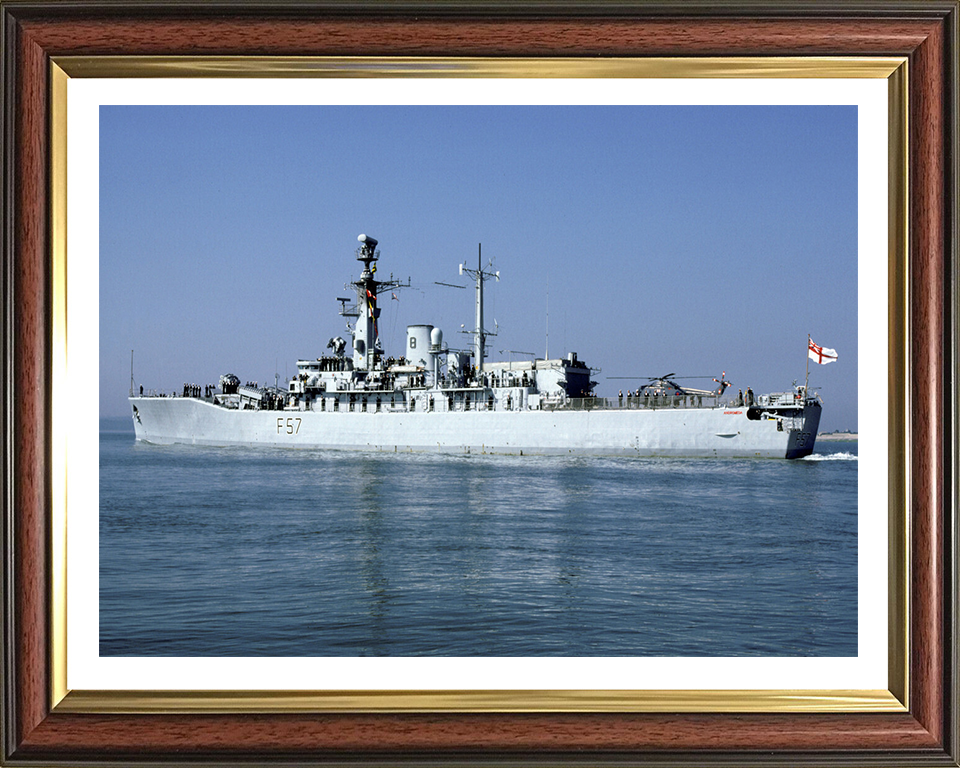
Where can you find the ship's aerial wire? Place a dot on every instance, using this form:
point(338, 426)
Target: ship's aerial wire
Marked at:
point(393, 316)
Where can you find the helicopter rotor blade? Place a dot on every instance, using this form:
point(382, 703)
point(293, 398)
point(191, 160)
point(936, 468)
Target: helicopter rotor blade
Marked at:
point(635, 378)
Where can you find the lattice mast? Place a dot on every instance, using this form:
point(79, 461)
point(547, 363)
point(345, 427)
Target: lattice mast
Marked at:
point(480, 333)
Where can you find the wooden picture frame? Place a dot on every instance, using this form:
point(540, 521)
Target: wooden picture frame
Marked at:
point(35, 35)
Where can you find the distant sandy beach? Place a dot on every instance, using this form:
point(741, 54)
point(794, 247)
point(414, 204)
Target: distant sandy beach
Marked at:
point(839, 436)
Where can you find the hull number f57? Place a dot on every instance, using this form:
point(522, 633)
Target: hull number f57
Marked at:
point(290, 425)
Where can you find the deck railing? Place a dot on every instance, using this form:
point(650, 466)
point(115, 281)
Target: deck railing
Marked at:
point(633, 403)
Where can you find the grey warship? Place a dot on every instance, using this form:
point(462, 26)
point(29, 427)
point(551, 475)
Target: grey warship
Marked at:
point(436, 398)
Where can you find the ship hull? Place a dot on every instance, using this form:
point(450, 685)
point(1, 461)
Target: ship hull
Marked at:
point(686, 432)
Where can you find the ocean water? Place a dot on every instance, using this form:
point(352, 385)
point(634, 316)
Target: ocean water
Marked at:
point(279, 552)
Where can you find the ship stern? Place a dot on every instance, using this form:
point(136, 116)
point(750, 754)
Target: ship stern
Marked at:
point(801, 441)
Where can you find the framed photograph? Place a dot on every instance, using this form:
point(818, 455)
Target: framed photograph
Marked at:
point(109, 98)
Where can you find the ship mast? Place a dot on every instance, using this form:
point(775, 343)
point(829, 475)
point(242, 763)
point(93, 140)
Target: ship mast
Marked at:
point(480, 334)
point(366, 332)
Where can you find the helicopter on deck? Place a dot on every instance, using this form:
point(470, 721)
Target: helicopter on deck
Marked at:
point(668, 386)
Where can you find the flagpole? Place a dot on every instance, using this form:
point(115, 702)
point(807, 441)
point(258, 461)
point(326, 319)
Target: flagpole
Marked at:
point(807, 380)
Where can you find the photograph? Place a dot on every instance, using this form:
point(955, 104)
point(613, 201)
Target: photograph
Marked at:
point(478, 381)
point(437, 429)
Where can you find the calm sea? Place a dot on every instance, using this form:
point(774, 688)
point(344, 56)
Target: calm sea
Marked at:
point(278, 552)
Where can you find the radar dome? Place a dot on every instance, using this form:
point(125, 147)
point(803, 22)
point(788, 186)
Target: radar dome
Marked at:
point(436, 337)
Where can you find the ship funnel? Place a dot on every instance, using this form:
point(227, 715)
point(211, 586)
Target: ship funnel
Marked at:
point(418, 343)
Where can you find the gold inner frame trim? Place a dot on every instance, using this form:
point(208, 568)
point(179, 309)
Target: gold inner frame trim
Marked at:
point(898, 414)
point(893, 69)
point(228, 702)
point(59, 390)
point(429, 67)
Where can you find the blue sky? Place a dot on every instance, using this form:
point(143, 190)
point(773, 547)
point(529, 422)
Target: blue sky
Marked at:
point(662, 239)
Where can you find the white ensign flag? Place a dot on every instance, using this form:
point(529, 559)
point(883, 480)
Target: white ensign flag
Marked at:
point(821, 355)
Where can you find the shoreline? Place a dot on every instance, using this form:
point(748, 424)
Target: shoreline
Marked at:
point(846, 437)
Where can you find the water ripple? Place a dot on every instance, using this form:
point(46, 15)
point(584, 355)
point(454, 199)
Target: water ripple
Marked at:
point(247, 552)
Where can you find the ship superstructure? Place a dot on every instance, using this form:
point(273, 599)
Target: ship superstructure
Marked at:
point(436, 398)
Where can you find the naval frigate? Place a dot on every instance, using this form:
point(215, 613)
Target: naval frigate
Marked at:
point(436, 398)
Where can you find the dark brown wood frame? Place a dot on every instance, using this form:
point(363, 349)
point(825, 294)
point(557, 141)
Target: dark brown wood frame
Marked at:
point(925, 32)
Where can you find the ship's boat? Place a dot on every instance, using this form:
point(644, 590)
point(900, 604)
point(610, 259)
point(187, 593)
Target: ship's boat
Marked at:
point(435, 398)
